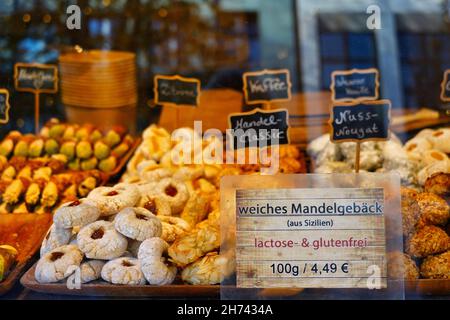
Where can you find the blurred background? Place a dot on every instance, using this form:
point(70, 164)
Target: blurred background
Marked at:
point(217, 40)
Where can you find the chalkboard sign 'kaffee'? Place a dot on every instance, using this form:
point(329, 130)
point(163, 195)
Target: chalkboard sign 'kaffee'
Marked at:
point(36, 78)
point(267, 86)
point(177, 91)
point(358, 122)
point(4, 106)
point(355, 85)
point(260, 128)
point(445, 87)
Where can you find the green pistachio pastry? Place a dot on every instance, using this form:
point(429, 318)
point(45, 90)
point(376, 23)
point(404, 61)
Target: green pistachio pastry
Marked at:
point(69, 133)
point(101, 150)
point(121, 149)
point(74, 165)
point(90, 164)
point(21, 149)
point(84, 150)
point(57, 131)
point(6, 147)
point(83, 133)
point(112, 138)
point(36, 148)
point(95, 136)
point(51, 147)
point(108, 165)
point(68, 149)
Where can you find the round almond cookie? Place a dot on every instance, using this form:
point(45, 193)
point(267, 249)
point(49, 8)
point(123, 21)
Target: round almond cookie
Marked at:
point(76, 214)
point(52, 266)
point(138, 224)
point(101, 241)
point(432, 156)
point(173, 228)
point(123, 271)
point(153, 265)
point(175, 193)
point(91, 270)
point(110, 200)
point(55, 238)
point(156, 205)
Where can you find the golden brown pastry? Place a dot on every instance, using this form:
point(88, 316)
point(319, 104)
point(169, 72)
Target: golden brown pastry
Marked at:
point(438, 183)
point(436, 267)
point(433, 210)
point(427, 241)
point(410, 211)
point(401, 266)
point(209, 270)
point(196, 209)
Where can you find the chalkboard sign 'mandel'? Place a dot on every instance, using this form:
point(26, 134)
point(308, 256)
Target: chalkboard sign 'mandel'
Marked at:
point(4, 106)
point(177, 90)
point(355, 85)
point(445, 87)
point(358, 122)
point(258, 128)
point(36, 78)
point(267, 86)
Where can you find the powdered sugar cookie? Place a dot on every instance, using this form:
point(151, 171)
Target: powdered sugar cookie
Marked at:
point(110, 200)
point(133, 247)
point(138, 224)
point(432, 156)
point(175, 193)
point(418, 145)
point(55, 238)
point(153, 265)
point(100, 240)
point(52, 266)
point(189, 173)
point(91, 270)
point(76, 214)
point(124, 271)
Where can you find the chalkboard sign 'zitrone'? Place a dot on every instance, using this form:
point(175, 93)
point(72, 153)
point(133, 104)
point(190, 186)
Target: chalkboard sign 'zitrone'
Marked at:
point(359, 122)
point(36, 78)
point(260, 128)
point(267, 86)
point(177, 91)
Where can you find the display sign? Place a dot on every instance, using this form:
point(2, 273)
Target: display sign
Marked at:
point(177, 90)
point(355, 85)
point(310, 238)
point(260, 127)
point(358, 122)
point(36, 78)
point(4, 106)
point(267, 86)
point(445, 87)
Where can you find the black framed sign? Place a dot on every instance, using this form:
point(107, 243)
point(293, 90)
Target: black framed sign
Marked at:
point(361, 121)
point(177, 91)
point(36, 78)
point(355, 85)
point(445, 87)
point(259, 128)
point(4, 106)
point(267, 86)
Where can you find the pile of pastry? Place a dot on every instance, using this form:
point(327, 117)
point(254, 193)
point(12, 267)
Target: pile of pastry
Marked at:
point(426, 234)
point(134, 234)
point(429, 150)
point(415, 162)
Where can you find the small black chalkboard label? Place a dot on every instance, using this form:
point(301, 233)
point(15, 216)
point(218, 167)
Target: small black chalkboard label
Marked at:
point(4, 106)
point(176, 90)
point(355, 85)
point(36, 78)
point(267, 86)
point(358, 122)
point(445, 87)
point(259, 128)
